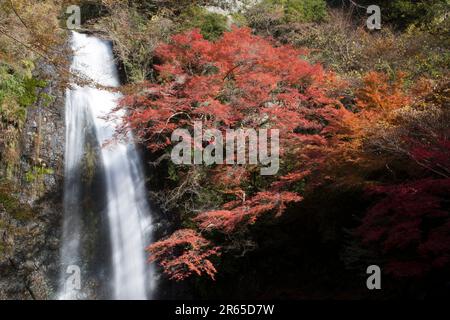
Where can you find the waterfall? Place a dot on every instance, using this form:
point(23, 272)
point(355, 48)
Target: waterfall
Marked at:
point(127, 212)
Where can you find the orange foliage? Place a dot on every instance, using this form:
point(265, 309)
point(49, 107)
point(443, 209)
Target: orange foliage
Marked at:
point(379, 95)
point(376, 103)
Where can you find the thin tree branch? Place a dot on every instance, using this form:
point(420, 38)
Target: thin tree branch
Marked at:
point(17, 14)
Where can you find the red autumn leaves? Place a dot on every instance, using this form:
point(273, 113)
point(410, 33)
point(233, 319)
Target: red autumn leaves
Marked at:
point(239, 81)
point(245, 81)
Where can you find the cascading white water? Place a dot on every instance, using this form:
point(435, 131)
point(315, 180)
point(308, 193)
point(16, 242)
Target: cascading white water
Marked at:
point(128, 212)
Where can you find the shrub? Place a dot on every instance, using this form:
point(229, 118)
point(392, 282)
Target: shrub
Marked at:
point(408, 227)
point(135, 34)
point(348, 48)
point(212, 25)
point(239, 81)
point(17, 92)
point(184, 253)
point(287, 11)
point(302, 10)
point(426, 14)
point(24, 36)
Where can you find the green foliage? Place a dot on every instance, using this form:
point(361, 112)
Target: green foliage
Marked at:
point(17, 213)
point(17, 92)
point(350, 50)
point(11, 90)
point(89, 11)
point(13, 206)
point(423, 13)
point(30, 95)
point(36, 173)
point(211, 25)
point(8, 202)
point(239, 19)
point(299, 10)
point(283, 18)
point(172, 172)
point(135, 32)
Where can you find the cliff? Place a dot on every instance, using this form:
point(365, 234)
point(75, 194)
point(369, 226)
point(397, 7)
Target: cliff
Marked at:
point(31, 201)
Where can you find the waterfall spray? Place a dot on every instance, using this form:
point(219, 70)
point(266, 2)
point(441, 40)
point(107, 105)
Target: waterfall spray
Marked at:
point(128, 212)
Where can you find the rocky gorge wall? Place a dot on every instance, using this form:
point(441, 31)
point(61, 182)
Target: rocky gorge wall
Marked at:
point(31, 202)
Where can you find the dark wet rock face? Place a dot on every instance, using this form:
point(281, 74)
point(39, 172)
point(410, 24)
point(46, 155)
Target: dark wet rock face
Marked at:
point(31, 206)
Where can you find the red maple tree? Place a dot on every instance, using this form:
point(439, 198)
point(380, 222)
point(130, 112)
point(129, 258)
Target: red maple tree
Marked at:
point(183, 253)
point(238, 81)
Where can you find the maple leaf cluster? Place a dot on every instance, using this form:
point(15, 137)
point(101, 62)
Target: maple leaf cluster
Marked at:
point(183, 253)
point(234, 212)
point(239, 81)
